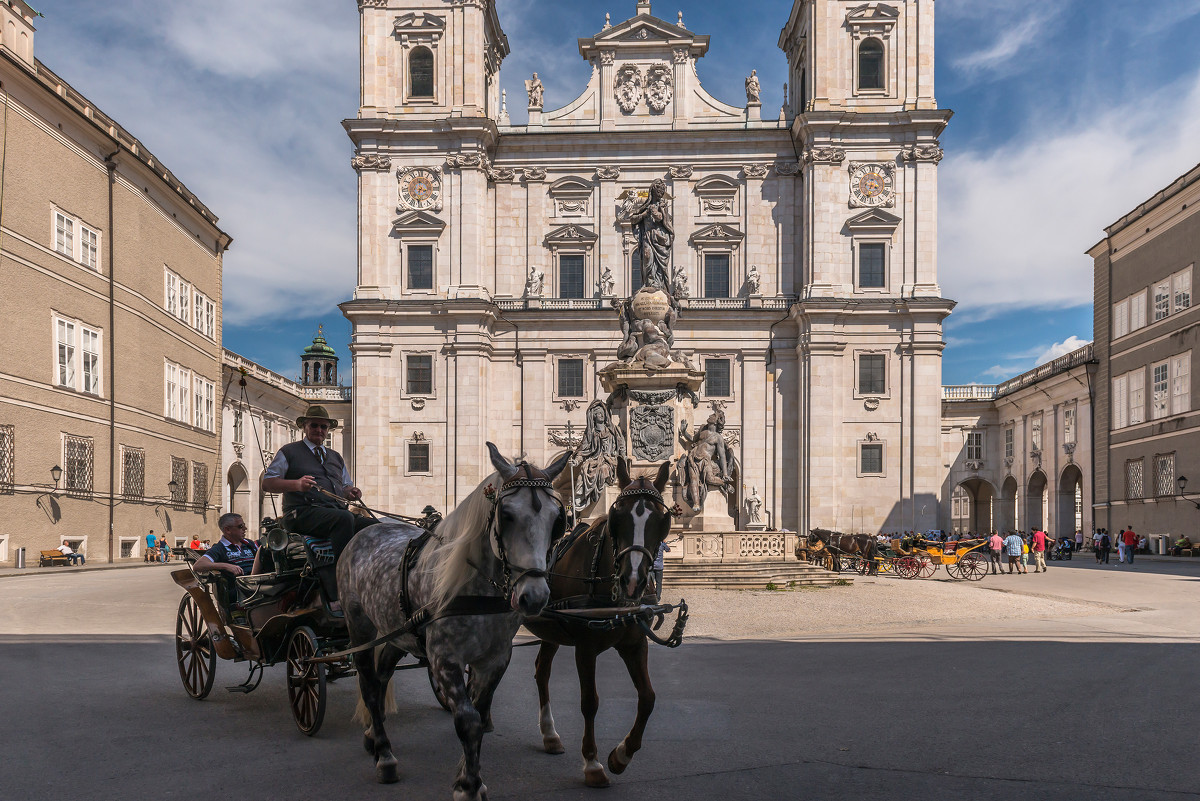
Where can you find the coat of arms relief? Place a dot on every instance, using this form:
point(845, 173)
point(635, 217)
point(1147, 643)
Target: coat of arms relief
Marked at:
point(656, 85)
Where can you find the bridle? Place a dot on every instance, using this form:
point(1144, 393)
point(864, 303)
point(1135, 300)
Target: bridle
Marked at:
point(639, 488)
point(526, 477)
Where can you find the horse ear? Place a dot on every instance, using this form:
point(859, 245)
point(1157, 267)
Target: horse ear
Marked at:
point(507, 470)
point(558, 466)
point(664, 473)
point(623, 477)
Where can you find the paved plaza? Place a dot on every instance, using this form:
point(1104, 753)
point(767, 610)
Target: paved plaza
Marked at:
point(1076, 684)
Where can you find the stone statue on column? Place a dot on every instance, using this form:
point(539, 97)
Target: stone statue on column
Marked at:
point(596, 460)
point(535, 282)
point(536, 91)
point(753, 89)
point(709, 463)
point(656, 236)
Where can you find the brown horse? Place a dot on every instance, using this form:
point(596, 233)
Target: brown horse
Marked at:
point(863, 546)
point(604, 566)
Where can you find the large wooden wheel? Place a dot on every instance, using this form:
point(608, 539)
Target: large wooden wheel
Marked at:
point(305, 681)
point(928, 566)
point(973, 567)
point(194, 650)
point(908, 567)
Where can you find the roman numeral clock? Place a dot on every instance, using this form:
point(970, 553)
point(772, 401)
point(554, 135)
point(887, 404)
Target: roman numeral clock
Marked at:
point(420, 189)
point(872, 185)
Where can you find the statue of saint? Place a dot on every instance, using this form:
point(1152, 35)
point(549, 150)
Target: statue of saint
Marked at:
point(533, 285)
point(753, 88)
point(596, 459)
point(753, 281)
point(536, 90)
point(754, 506)
point(606, 285)
point(656, 234)
point(708, 464)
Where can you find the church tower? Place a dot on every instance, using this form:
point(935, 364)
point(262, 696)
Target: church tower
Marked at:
point(869, 317)
point(318, 363)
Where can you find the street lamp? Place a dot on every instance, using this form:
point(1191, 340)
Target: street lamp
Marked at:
point(1182, 483)
point(56, 474)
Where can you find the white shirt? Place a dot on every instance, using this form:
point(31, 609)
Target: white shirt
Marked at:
point(279, 465)
point(66, 549)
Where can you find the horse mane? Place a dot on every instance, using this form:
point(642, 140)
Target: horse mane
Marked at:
point(462, 530)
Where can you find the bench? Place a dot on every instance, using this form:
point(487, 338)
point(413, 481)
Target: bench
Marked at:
point(50, 558)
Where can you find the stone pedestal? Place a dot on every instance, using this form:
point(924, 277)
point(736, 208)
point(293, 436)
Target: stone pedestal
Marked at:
point(600, 508)
point(714, 516)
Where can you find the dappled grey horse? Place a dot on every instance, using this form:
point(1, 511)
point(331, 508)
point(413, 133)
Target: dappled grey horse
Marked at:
point(461, 600)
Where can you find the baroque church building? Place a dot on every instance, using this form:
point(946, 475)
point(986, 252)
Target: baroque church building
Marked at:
point(804, 256)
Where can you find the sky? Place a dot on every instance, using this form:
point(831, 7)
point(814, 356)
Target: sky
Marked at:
point(1067, 115)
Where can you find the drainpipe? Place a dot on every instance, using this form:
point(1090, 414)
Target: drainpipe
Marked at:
point(111, 166)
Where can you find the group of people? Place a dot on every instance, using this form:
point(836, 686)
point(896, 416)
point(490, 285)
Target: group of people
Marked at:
point(1127, 544)
point(1016, 548)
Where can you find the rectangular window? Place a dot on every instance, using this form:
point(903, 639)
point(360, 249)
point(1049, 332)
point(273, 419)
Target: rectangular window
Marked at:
point(1069, 425)
point(871, 458)
point(198, 311)
point(1181, 383)
point(178, 385)
point(77, 457)
point(203, 391)
point(870, 265)
point(133, 472)
point(1164, 474)
point(8, 451)
point(975, 446)
point(1120, 402)
point(1008, 443)
point(570, 276)
point(171, 301)
point(64, 235)
point(717, 378)
point(1035, 433)
point(1162, 300)
point(872, 374)
point(90, 356)
point(66, 354)
point(89, 248)
point(420, 266)
point(239, 431)
point(210, 319)
point(1134, 486)
point(635, 273)
point(1160, 399)
point(1120, 324)
point(1137, 311)
point(1137, 397)
point(179, 475)
point(570, 378)
point(185, 294)
point(1182, 285)
point(716, 275)
point(420, 375)
point(200, 484)
point(418, 457)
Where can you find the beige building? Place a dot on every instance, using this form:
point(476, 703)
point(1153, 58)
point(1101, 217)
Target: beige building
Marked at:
point(1147, 425)
point(110, 270)
point(258, 417)
point(805, 252)
point(1019, 455)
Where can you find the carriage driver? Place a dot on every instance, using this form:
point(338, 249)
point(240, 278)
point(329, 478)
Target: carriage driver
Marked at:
point(301, 469)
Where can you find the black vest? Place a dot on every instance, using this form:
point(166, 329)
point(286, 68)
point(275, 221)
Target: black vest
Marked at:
point(303, 462)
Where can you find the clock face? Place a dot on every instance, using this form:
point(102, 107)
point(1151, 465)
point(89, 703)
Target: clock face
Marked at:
point(871, 185)
point(420, 189)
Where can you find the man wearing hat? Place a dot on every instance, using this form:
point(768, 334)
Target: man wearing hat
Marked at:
point(308, 474)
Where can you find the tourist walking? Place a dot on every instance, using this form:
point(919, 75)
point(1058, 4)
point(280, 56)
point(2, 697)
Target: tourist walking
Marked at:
point(1013, 545)
point(1038, 547)
point(151, 553)
point(995, 545)
point(1079, 540)
point(1131, 540)
point(1121, 546)
point(1105, 548)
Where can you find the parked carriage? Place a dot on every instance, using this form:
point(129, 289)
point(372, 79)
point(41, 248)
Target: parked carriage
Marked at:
point(962, 559)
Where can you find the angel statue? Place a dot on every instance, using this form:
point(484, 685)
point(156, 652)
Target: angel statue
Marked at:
point(596, 459)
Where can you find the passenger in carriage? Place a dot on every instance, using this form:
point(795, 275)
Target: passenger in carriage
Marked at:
point(233, 553)
point(301, 470)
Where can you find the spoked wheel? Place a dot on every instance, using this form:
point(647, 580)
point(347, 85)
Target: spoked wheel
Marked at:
point(850, 563)
point(194, 650)
point(928, 567)
point(972, 567)
point(305, 681)
point(908, 567)
point(438, 694)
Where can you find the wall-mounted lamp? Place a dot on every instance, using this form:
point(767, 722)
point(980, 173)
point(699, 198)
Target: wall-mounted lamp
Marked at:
point(1181, 482)
point(56, 474)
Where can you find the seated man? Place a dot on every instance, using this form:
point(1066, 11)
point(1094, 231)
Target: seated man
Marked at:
point(233, 555)
point(1180, 545)
point(69, 552)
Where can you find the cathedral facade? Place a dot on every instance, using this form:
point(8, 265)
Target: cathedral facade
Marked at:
point(803, 258)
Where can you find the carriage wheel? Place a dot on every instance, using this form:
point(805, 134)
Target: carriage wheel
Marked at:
point(908, 567)
point(850, 563)
point(973, 567)
point(194, 650)
point(928, 568)
point(305, 681)
point(438, 694)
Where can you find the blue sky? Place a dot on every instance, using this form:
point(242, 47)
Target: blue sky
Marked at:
point(1068, 114)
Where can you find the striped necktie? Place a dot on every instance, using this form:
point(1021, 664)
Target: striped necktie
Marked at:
point(321, 454)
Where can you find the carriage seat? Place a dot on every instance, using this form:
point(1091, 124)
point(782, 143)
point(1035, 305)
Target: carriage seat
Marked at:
point(254, 589)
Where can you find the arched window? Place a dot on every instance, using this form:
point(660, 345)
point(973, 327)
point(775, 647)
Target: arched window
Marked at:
point(420, 72)
point(306, 366)
point(329, 373)
point(870, 65)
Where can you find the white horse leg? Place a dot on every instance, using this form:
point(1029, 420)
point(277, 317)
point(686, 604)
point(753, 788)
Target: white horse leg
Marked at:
point(551, 742)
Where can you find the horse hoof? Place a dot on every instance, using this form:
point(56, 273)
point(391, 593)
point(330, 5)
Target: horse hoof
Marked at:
point(618, 760)
point(463, 795)
point(385, 770)
point(553, 745)
point(594, 776)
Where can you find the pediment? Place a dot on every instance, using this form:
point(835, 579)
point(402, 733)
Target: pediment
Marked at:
point(570, 235)
point(718, 233)
point(873, 221)
point(419, 21)
point(570, 186)
point(418, 222)
point(640, 31)
point(873, 14)
point(716, 184)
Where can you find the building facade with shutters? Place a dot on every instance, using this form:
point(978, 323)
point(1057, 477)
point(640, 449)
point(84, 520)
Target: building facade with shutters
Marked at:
point(805, 244)
point(111, 273)
point(1148, 426)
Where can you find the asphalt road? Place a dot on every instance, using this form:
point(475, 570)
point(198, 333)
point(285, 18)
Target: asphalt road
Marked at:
point(1101, 707)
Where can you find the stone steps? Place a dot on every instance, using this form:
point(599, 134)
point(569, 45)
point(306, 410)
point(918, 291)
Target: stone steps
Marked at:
point(748, 575)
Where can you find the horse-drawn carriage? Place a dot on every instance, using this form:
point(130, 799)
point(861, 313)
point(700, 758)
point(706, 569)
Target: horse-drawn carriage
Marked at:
point(920, 558)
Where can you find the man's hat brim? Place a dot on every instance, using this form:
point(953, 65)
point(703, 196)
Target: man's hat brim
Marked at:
point(316, 413)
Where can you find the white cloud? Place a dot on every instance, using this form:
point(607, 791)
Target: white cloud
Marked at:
point(1015, 221)
point(1068, 345)
point(1012, 39)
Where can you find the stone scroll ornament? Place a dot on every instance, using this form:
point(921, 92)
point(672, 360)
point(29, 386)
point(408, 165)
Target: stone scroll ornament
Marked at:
point(652, 429)
point(659, 88)
point(628, 88)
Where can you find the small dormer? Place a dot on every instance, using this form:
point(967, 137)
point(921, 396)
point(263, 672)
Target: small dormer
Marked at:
point(16, 17)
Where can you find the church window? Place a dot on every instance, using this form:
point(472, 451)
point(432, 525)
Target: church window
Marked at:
point(872, 374)
point(420, 72)
point(717, 378)
point(716, 275)
point(419, 378)
point(570, 276)
point(871, 458)
point(635, 273)
point(307, 372)
point(570, 378)
point(418, 457)
point(870, 65)
point(329, 373)
point(420, 266)
point(871, 265)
